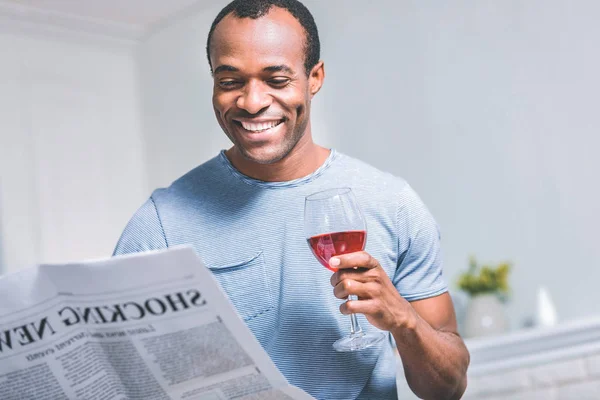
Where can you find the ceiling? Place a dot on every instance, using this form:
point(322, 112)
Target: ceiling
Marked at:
point(127, 19)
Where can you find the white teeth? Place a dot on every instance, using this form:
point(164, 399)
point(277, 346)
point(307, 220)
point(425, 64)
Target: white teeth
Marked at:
point(257, 127)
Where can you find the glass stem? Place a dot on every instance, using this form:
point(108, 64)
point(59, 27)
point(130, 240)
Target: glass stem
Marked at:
point(355, 326)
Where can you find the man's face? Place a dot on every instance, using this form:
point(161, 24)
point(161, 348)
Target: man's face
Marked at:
point(261, 94)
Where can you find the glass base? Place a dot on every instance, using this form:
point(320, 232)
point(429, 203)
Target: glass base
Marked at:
point(358, 341)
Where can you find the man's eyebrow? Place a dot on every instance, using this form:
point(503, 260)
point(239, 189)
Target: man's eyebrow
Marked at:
point(225, 68)
point(279, 68)
point(272, 68)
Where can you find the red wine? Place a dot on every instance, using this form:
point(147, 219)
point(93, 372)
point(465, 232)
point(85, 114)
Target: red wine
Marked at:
point(333, 244)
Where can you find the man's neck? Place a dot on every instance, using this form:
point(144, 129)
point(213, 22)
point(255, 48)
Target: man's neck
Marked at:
point(302, 161)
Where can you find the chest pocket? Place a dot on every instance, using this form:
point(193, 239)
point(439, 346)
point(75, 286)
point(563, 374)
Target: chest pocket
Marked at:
point(246, 285)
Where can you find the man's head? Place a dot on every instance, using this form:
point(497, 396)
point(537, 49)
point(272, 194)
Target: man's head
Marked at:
point(264, 56)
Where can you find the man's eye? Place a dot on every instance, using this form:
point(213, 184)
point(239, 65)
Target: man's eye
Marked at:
point(279, 82)
point(228, 84)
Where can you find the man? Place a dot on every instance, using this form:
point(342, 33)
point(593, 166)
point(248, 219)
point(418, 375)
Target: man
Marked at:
point(243, 213)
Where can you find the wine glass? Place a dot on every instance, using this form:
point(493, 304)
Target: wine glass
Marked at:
point(334, 225)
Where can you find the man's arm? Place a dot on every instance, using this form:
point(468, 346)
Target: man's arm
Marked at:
point(434, 356)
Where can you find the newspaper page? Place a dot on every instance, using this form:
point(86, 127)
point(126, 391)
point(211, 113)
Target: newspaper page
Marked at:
point(136, 327)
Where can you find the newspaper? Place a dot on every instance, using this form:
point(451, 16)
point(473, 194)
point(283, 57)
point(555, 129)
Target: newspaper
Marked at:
point(137, 327)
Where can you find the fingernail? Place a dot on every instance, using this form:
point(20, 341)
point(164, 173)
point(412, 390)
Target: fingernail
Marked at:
point(334, 262)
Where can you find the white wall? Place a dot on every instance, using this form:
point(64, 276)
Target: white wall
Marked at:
point(179, 125)
point(486, 108)
point(71, 167)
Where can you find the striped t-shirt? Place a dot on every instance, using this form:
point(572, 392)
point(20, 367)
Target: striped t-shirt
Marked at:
point(250, 234)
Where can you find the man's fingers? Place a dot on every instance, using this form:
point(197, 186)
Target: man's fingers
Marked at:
point(366, 307)
point(359, 259)
point(360, 275)
point(349, 287)
point(337, 277)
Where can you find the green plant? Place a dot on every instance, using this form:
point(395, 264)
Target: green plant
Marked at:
point(485, 278)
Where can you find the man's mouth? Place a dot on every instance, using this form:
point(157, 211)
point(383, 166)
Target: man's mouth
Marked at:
point(259, 127)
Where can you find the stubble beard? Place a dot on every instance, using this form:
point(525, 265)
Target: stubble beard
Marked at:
point(286, 147)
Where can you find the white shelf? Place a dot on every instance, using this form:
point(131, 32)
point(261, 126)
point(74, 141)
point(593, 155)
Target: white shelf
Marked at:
point(534, 346)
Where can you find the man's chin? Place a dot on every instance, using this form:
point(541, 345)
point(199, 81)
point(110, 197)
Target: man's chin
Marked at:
point(263, 159)
point(262, 156)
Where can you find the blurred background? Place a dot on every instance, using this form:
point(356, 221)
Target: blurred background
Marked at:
point(489, 109)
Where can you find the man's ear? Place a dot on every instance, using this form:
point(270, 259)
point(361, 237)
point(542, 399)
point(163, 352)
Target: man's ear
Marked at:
point(316, 78)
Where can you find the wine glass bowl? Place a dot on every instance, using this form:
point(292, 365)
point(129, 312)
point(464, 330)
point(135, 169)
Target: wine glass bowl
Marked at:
point(328, 245)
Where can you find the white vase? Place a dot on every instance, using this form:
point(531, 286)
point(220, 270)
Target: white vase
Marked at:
point(485, 316)
point(545, 311)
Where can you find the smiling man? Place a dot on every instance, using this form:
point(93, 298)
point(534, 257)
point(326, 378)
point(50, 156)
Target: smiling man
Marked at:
point(243, 213)
point(270, 60)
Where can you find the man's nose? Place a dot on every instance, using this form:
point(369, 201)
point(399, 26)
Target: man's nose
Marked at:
point(254, 98)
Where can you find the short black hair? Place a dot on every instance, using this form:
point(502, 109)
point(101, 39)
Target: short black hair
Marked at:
point(258, 8)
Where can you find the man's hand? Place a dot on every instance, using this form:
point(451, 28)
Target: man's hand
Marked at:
point(435, 358)
point(361, 275)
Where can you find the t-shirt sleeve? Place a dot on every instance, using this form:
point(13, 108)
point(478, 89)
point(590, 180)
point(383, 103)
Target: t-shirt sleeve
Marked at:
point(419, 270)
point(144, 232)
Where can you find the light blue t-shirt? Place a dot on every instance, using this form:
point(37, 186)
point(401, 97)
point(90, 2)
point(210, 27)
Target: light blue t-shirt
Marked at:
point(250, 234)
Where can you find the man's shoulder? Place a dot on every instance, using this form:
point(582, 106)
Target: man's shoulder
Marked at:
point(207, 171)
point(195, 187)
point(368, 175)
point(205, 174)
